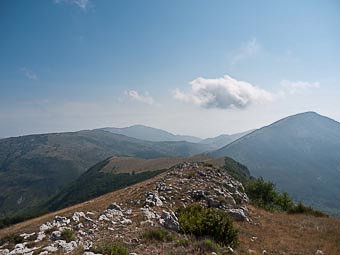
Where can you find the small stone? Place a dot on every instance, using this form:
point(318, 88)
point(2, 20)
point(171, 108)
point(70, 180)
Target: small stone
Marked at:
point(55, 235)
point(319, 252)
point(115, 206)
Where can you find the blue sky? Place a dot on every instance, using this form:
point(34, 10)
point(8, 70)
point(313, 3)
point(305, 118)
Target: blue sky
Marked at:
point(80, 64)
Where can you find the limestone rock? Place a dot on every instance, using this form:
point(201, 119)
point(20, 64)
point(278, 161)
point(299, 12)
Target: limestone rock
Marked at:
point(170, 220)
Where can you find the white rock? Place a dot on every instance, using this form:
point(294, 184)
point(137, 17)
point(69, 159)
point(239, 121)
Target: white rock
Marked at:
point(25, 236)
point(45, 226)
point(50, 248)
point(237, 214)
point(4, 252)
point(103, 217)
point(67, 247)
point(170, 220)
point(319, 252)
point(77, 215)
point(22, 249)
point(126, 221)
point(41, 236)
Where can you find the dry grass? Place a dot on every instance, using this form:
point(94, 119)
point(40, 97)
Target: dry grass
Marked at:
point(281, 233)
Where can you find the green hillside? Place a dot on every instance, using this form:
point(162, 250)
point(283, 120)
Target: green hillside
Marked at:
point(34, 168)
point(300, 154)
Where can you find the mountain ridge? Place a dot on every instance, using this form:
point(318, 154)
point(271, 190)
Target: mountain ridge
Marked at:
point(300, 153)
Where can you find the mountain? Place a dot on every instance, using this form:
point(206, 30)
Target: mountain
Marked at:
point(223, 140)
point(300, 154)
point(191, 208)
point(115, 173)
point(150, 134)
point(34, 168)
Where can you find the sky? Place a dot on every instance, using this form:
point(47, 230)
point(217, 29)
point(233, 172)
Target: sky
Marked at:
point(190, 67)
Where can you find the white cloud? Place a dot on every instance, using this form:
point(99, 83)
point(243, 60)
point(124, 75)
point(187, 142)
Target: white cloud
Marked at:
point(83, 4)
point(223, 93)
point(248, 49)
point(293, 87)
point(29, 74)
point(136, 96)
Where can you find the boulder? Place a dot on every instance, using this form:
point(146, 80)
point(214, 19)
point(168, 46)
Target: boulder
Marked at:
point(237, 214)
point(77, 215)
point(4, 252)
point(169, 220)
point(152, 199)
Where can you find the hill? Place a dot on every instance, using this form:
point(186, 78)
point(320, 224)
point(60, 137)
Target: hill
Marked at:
point(300, 153)
point(223, 140)
point(150, 134)
point(115, 173)
point(148, 218)
point(34, 168)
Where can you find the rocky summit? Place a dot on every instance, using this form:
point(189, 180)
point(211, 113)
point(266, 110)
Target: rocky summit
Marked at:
point(137, 209)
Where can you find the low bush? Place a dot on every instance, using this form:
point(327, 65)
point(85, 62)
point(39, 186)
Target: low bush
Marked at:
point(206, 164)
point(264, 195)
point(158, 234)
point(68, 235)
point(208, 222)
point(208, 245)
point(301, 208)
point(182, 243)
point(111, 249)
point(11, 239)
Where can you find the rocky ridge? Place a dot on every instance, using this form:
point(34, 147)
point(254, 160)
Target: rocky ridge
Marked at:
point(125, 221)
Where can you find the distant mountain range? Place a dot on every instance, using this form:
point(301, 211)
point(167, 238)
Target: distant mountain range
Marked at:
point(154, 134)
point(33, 168)
point(300, 154)
point(223, 140)
point(151, 134)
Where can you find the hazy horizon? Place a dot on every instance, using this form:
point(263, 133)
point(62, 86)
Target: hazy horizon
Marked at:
point(190, 68)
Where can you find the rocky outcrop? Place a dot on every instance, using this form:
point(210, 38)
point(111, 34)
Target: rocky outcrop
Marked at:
point(182, 185)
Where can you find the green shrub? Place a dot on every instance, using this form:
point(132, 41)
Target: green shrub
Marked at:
point(111, 249)
point(206, 164)
point(68, 235)
point(160, 235)
point(208, 245)
point(11, 239)
point(301, 208)
point(264, 195)
point(211, 222)
point(183, 243)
